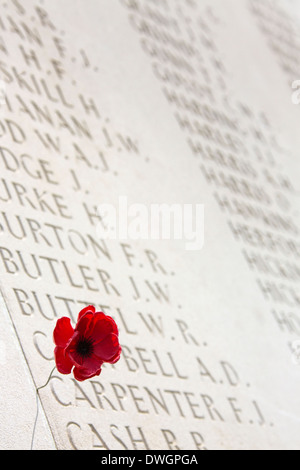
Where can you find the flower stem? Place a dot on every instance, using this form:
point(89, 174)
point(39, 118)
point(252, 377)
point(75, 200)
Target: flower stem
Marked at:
point(37, 406)
point(49, 378)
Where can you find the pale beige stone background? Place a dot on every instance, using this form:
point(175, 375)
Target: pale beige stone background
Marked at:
point(213, 291)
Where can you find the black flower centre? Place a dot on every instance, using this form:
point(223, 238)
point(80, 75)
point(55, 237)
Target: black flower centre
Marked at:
point(84, 347)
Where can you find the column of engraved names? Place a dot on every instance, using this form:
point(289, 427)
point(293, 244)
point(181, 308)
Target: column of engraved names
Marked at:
point(283, 35)
point(169, 38)
point(51, 266)
point(269, 230)
point(240, 155)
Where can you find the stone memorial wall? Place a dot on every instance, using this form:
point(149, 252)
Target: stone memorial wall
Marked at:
point(181, 119)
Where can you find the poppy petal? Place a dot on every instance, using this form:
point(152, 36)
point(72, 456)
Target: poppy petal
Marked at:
point(63, 332)
point(83, 324)
point(90, 308)
point(108, 348)
point(102, 326)
point(117, 356)
point(92, 363)
point(71, 350)
point(63, 363)
point(81, 374)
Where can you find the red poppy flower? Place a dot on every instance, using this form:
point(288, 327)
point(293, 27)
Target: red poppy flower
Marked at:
point(93, 342)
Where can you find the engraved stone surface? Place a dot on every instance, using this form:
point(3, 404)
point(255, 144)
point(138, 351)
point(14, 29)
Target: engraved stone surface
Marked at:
point(186, 108)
